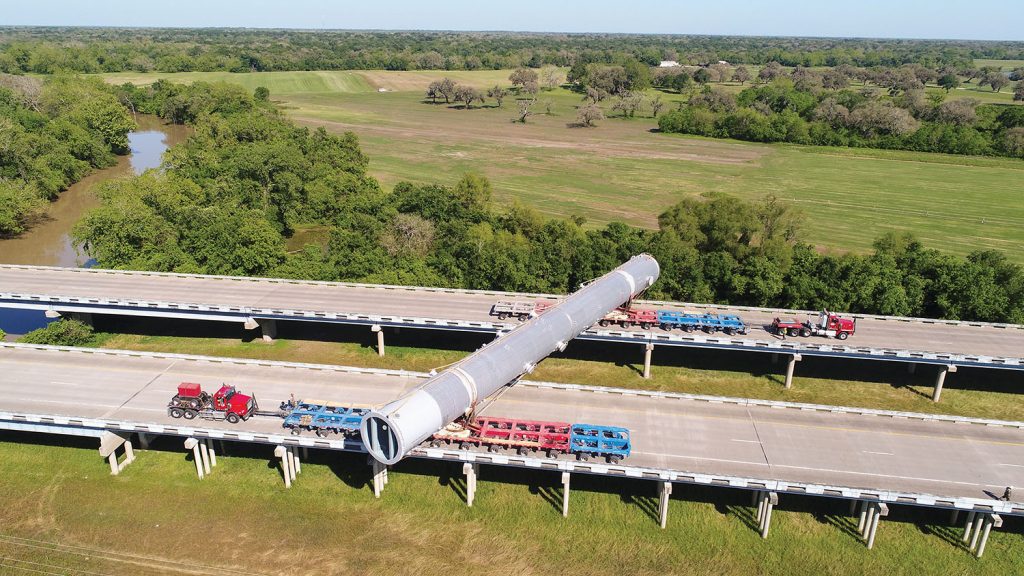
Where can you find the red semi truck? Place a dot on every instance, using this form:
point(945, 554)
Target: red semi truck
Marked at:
point(225, 404)
point(828, 324)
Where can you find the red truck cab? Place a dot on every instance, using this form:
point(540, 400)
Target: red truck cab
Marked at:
point(230, 400)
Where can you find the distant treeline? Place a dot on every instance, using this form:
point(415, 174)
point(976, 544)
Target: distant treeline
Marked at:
point(248, 176)
point(52, 134)
point(890, 109)
point(94, 50)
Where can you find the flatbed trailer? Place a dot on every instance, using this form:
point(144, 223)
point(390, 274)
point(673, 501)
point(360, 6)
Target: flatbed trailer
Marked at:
point(521, 309)
point(524, 436)
point(322, 417)
point(610, 442)
point(728, 323)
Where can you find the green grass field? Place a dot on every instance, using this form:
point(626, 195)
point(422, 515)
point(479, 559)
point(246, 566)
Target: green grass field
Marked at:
point(64, 514)
point(620, 170)
point(1002, 64)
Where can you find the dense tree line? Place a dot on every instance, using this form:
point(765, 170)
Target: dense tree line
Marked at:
point(93, 50)
point(233, 192)
point(52, 134)
point(890, 109)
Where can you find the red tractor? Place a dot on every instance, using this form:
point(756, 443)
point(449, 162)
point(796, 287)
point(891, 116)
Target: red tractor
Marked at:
point(226, 404)
point(828, 324)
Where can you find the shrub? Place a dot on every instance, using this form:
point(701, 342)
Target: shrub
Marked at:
point(61, 333)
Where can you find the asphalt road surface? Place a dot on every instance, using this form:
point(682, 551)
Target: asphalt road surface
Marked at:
point(336, 298)
point(857, 451)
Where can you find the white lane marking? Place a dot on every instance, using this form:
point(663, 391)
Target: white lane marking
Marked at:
point(65, 383)
point(1014, 465)
point(748, 441)
point(879, 453)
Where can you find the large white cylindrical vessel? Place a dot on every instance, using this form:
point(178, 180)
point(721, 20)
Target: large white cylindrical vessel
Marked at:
point(390, 432)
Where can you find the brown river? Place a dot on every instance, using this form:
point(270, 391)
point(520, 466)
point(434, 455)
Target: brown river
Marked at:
point(48, 243)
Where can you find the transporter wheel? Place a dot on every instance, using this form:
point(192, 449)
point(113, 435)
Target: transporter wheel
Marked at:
point(189, 414)
point(645, 325)
point(296, 431)
point(435, 443)
point(729, 331)
point(552, 454)
point(493, 448)
point(614, 458)
point(323, 432)
point(523, 451)
point(176, 412)
point(687, 328)
point(665, 327)
point(583, 456)
point(463, 445)
point(232, 418)
point(602, 323)
point(842, 335)
point(805, 332)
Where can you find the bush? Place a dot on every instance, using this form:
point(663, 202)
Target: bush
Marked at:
point(61, 333)
point(2, 335)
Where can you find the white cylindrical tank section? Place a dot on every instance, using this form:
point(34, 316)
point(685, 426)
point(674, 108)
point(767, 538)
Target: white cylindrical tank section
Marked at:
point(390, 432)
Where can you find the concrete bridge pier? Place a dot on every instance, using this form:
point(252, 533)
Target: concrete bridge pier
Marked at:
point(793, 359)
point(648, 349)
point(109, 443)
point(380, 339)
point(988, 521)
point(211, 452)
point(870, 513)
point(200, 455)
point(664, 494)
point(766, 501)
point(471, 470)
point(287, 457)
point(380, 476)
point(940, 379)
point(565, 494)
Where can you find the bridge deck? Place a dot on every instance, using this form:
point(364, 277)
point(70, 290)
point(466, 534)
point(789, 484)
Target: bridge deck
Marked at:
point(902, 455)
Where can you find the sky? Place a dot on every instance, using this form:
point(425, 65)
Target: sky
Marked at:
point(955, 19)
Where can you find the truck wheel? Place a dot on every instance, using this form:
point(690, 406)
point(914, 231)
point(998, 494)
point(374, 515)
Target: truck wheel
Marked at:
point(842, 335)
point(502, 316)
point(805, 332)
point(524, 317)
point(193, 403)
point(176, 412)
point(189, 414)
point(232, 418)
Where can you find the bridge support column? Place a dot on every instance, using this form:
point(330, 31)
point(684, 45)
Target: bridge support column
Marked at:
point(380, 339)
point(875, 510)
point(211, 452)
point(109, 443)
point(296, 463)
point(471, 470)
point(968, 526)
point(793, 359)
point(197, 456)
point(664, 494)
point(912, 368)
point(565, 494)
point(989, 521)
point(283, 453)
point(269, 329)
point(766, 501)
point(380, 476)
point(940, 380)
point(954, 517)
point(143, 441)
point(863, 515)
point(205, 453)
point(648, 348)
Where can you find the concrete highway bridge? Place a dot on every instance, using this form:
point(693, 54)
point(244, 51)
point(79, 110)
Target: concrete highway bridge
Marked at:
point(873, 459)
point(261, 303)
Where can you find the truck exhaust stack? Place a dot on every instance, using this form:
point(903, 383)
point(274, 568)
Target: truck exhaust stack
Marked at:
point(391, 431)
